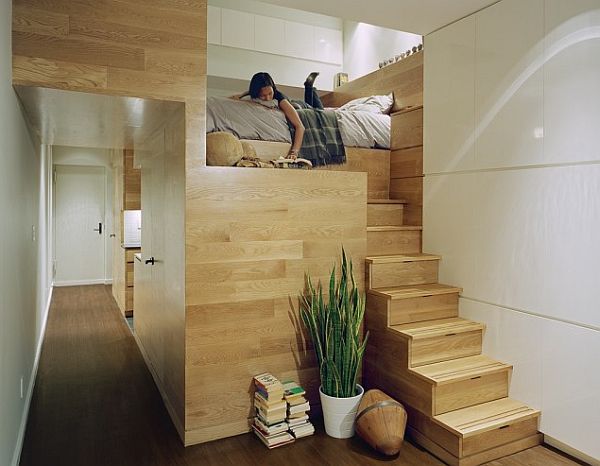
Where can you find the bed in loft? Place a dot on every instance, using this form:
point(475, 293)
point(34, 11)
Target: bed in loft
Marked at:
point(363, 124)
point(367, 148)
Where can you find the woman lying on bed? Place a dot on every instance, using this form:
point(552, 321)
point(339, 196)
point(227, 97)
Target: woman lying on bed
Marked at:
point(263, 88)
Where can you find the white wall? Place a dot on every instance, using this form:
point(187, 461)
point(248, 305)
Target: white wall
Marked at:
point(366, 45)
point(286, 67)
point(63, 155)
point(512, 196)
point(24, 280)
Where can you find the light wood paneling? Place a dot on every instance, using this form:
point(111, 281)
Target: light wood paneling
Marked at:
point(406, 163)
point(407, 129)
point(404, 79)
point(132, 180)
point(251, 236)
point(410, 189)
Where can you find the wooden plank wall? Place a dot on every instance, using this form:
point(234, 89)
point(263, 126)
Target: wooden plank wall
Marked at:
point(405, 80)
point(153, 49)
point(132, 180)
point(252, 234)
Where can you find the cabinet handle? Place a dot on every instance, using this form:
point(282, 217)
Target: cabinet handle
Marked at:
point(99, 229)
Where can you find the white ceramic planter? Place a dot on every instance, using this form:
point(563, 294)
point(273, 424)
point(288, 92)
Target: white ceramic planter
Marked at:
point(339, 413)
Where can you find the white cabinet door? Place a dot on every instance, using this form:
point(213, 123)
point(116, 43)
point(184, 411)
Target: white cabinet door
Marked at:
point(237, 29)
point(449, 108)
point(213, 25)
point(299, 40)
point(269, 35)
point(509, 84)
point(328, 45)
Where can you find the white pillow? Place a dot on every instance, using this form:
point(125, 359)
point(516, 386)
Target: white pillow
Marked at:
point(373, 104)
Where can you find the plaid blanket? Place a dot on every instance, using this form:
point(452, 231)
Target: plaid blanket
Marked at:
point(322, 143)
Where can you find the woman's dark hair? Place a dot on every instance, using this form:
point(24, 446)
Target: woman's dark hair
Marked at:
point(258, 81)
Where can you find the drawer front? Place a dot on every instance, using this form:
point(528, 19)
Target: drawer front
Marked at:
point(129, 274)
point(129, 254)
point(470, 392)
point(129, 299)
point(384, 214)
point(500, 436)
point(404, 311)
point(444, 348)
point(407, 130)
point(407, 273)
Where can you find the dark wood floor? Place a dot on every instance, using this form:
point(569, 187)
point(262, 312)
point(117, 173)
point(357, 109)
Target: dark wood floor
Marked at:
point(95, 403)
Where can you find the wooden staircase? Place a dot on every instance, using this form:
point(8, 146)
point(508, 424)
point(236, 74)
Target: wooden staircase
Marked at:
point(423, 354)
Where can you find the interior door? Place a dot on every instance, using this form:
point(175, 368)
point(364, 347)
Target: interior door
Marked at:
point(79, 225)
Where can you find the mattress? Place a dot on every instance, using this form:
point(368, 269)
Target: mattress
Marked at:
point(249, 120)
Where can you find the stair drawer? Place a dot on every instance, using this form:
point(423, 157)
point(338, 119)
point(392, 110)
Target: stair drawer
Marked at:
point(499, 436)
point(385, 214)
point(407, 273)
point(469, 392)
point(404, 311)
point(443, 348)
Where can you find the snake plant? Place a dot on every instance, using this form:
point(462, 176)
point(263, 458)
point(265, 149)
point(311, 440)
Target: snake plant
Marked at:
point(335, 326)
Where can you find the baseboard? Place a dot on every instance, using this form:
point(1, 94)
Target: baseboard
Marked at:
point(100, 281)
point(34, 369)
point(571, 451)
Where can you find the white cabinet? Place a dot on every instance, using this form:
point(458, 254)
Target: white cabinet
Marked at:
point(328, 45)
point(571, 77)
point(449, 116)
point(509, 84)
point(237, 29)
point(269, 35)
point(213, 23)
point(299, 40)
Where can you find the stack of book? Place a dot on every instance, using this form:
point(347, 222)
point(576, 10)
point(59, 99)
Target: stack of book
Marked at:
point(297, 409)
point(270, 424)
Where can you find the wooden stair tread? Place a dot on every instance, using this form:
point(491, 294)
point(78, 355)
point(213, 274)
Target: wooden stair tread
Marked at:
point(454, 370)
point(414, 291)
point(387, 201)
point(415, 257)
point(477, 419)
point(436, 328)
point(395, 228)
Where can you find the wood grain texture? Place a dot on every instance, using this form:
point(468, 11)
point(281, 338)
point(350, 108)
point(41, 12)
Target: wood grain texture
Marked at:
point(410, 189)
point(407, 129)
point(406, 163)
point(404, 79)
point(251, 236)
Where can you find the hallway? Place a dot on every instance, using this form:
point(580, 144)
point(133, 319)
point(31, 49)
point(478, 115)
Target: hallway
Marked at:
point(95, 403)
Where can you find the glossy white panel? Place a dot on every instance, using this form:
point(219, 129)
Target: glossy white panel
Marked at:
point(508, 84)
point(571, 77)
point(571, 386)
point(213, 27)
point(299, 40)
point(514, 338)
point(538, 246)
point(269, 35)
point(451, 227)
point(328, 45)
point(237, 29)
point(449, 112)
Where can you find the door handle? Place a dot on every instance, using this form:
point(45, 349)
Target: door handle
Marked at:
point(99, 229)
point(150, 261)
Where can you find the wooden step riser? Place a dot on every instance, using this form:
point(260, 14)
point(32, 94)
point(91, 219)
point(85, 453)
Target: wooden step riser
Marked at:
point(452, 448)
point(402, 273)
point(385, 215)
point(445, 347)
point(484, 457)
point(405, 311)
point(470, 392)
point(380, 243)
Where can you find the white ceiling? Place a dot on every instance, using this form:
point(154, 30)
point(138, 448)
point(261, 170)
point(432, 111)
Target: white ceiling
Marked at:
point(416, 16)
